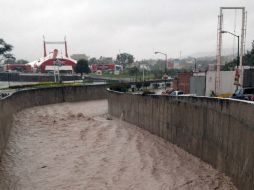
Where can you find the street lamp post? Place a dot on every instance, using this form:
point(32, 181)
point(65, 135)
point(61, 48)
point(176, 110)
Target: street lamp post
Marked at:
point(166, 61)
point(195, 65)
point(57, 63)
point(238, 56)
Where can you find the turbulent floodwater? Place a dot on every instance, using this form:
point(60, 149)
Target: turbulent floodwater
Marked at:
point(74, 146)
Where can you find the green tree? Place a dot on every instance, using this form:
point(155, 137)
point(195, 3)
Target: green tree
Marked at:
point(93, 61)
point(22, 61)
point(105, 60)
point(157, 73)
point(5, 50)
point(133, 71)
point(248, 60)
point(173, 72)
point(82, 67)
point(125, 59)
point(11, 60)
point(229, 66)
point(159, 65)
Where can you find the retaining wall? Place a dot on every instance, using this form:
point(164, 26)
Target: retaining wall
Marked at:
point(219, 131)
point(43, 96)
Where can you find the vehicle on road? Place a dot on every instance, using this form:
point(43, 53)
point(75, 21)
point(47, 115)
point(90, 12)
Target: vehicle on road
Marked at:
point(172, 92)
point(244, 94)
point(176, 93)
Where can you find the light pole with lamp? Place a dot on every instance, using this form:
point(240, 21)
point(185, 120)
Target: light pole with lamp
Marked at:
point(238, 56)
point(165, 76)
point(195, 65)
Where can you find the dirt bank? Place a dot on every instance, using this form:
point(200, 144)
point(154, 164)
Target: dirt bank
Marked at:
point(75, 146)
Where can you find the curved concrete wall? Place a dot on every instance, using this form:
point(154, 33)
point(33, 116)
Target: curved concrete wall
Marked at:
point(37, 97)
point(219, 131)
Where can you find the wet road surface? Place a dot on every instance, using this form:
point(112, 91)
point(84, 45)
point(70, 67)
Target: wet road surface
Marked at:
point(74, 146)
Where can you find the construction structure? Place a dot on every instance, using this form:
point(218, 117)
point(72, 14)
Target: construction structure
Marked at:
point(54, 62)
point(55, 42)
point(24, 68)
point(110, 68)
point(239, 71)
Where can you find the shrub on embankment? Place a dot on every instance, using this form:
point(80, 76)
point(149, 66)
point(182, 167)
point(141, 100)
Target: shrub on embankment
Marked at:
point(44, 85)
point(120, 87)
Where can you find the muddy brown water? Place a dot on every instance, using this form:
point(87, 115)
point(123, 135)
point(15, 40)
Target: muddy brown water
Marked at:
point(75, 146)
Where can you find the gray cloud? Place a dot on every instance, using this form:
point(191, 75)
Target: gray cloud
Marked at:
point(105, 27)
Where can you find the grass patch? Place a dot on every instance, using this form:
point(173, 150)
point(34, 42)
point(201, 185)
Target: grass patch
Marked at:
point(44, 85)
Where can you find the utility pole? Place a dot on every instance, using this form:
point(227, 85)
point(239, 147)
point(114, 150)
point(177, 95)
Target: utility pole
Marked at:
point(219, 44)
point(143, 74)
point(195, 66)
point(165, 76)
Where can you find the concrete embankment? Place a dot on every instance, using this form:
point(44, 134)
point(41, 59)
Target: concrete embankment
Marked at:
point(219, 131)
point(43, 96)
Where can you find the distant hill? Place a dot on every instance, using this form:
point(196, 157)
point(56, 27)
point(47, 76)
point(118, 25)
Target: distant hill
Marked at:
point(203, 54)
point(225, 52)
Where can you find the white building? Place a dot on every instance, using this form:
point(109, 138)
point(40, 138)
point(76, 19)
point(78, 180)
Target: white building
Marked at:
point(227, 79)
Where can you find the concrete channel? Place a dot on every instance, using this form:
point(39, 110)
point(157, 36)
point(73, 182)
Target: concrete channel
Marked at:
point(84, 147)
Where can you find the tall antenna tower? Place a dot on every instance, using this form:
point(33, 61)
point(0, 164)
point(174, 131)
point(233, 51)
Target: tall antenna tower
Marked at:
point(219, 44)
point(54, 42)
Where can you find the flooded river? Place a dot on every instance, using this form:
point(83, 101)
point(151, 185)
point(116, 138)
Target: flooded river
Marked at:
point(77, 146)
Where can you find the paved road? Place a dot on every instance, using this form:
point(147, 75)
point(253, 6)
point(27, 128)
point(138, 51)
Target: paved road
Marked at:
point(74, 146)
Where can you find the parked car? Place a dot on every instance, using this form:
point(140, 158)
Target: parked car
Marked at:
point(244, 94)
point(176, 93)
point(172, 92)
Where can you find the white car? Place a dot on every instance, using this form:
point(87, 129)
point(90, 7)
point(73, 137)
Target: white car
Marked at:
point(176, 93)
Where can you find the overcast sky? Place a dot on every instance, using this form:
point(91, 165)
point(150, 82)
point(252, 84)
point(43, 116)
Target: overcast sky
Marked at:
point(107, 27)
